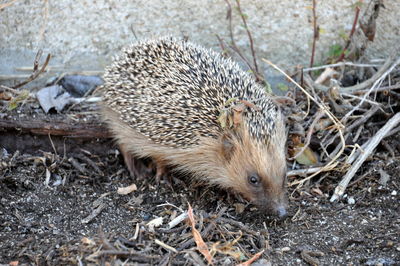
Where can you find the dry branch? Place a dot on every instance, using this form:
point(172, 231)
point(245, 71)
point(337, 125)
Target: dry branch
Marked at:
point(386, 68)
point(339, 191)
point(58, 128)
point(36, 71)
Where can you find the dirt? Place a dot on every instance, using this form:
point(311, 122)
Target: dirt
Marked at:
point(60, 206)
point(47, 202)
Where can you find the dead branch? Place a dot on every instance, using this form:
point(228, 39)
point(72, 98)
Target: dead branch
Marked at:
point(253, 53)
point(339, 64)
point(316, 32)
point(58, 128)
point(350, 37)
point(373, 143)
point(36, 72)
point(235, 48)
point(2, 6)
point(377, 76)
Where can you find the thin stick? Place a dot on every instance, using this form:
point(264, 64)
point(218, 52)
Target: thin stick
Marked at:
point(378, 81)
point(353, 29)
point(380, 89)
point(253, 53)
point(309, 134)
point(234, 46)
point(359, 98)
point(166, 246)
point(36, 73)
point(2, 6)
point(304, 172)
point(236, 49)
point(375, 77)
point(316, 33)
point(339, 65)
point(373, 143)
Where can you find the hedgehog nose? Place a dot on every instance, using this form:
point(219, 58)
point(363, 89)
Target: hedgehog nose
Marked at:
point(282, 213)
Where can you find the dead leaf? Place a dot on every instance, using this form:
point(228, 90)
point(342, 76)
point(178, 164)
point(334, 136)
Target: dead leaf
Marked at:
point(5, 96)
point(307, 157)
point(155, 223)
point(222, 118)
point(239, 207)
point(228, 248)
point(201, 246)
point(87, 241)
point(253, 259)
point(238, 114)
point(23, 95)
point(127, 190)
point(229, 101)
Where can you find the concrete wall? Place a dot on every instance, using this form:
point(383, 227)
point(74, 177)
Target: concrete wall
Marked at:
point(85, 34)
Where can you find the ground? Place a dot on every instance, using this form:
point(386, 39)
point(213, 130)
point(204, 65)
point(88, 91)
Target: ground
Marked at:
point(61, 208)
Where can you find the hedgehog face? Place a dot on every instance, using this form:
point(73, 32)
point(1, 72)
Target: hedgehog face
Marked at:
point(257, 170)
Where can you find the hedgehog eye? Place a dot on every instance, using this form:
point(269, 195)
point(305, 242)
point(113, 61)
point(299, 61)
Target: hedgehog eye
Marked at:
point(254, 180)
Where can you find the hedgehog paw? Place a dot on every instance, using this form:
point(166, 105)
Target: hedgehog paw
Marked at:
point(129, 162)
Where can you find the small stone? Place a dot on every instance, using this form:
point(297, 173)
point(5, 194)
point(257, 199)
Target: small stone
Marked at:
point(394, 193)
point(351, 201)
point(261, 262)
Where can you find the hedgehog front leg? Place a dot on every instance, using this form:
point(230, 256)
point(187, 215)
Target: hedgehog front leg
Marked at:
point(129, 160)
point(160, 171)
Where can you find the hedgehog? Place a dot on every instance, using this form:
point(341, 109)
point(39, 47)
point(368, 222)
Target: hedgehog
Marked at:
point(190, 109)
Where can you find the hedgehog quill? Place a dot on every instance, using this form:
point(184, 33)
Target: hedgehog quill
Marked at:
point(189, 108)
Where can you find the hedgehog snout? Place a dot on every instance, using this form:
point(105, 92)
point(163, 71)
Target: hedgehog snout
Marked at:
point(281, 212)
point(278, 209)
point(274, 205)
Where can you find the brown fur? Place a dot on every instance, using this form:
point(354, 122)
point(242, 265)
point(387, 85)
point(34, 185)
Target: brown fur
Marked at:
point(225, 161)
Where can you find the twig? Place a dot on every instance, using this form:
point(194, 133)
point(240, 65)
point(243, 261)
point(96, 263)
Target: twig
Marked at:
point(376, 83)
point(339, 65)
point(235, 48)
point(2, 6)
point(373, 143)
point(349, 39)
point(304, 172)
point(177, 220)
point(36, 72)
point(309, 134)
point(364, 118)
point(223, 48)
point(316, 32)
point(253, 53)
point(167, 247)
point(327, 74)
point(359, 98)
point(135, 255)
point(377, 76)
point(380, 89)
point(354, 155)
point(359, 122)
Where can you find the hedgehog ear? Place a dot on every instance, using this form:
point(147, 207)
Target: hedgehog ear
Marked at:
point(227, 147)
